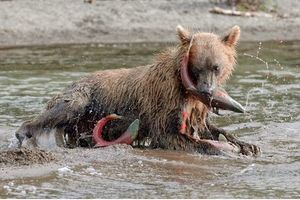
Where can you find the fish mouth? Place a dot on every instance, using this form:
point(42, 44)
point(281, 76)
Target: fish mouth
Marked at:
point(221, 147)
point(218, 99)
point(208, 144)
point(221, 100)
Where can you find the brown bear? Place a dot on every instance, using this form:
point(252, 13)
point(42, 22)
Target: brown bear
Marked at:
point(154, 94)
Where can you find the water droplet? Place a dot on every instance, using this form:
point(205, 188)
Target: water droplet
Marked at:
point(11, 183)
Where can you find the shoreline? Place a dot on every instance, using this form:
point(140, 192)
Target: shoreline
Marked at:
point(59, 22)
point(122, 44)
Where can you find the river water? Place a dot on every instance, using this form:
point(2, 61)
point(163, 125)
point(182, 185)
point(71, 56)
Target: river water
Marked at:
point(266, 82)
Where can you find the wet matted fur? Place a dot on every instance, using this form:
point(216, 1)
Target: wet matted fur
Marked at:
point(153, 93)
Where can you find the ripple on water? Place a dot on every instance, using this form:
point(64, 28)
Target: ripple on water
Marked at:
point(31, 76)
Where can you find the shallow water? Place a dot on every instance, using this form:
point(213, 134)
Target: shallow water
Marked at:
point(270, 91)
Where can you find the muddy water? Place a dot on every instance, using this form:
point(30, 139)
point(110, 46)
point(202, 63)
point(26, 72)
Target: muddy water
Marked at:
point(267, 82)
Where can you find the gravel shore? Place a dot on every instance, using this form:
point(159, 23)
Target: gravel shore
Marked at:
point(40, 22)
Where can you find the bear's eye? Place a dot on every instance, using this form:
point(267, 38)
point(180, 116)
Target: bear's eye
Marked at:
point(216, 69)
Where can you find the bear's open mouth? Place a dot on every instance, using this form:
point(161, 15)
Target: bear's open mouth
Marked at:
point(219, 98)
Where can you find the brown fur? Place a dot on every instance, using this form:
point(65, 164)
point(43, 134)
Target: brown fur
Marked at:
point(152, 93)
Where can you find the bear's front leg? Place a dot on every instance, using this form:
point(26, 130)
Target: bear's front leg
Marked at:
point(245, 148)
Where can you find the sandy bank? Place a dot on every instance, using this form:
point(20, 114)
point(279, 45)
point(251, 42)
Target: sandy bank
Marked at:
point(35, 22)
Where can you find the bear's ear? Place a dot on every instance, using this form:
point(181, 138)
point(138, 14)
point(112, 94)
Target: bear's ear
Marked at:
point(183, 34)
point(232, 37)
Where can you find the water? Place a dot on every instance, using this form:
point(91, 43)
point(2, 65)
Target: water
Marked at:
point(266, 81)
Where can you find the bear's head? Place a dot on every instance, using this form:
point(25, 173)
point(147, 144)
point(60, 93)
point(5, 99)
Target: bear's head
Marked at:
point(211, 58)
